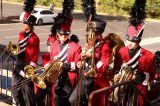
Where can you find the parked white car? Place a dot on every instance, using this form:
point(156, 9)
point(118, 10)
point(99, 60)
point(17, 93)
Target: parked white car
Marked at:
point(43, 16)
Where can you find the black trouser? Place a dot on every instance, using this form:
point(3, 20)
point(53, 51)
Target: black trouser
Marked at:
point(41, 94)
point(24, 95)
point(63, 90)
point(82, 92)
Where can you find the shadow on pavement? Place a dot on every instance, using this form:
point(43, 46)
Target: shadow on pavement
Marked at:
point(77, 16)
point(80, 16)
point(9, 19)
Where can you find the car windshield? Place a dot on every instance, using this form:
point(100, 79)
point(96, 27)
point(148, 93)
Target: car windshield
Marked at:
point(46, 12)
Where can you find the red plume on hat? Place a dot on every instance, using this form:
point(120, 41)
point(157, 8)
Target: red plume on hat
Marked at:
point(64, 27)
point(28, 8)
point(136, 26)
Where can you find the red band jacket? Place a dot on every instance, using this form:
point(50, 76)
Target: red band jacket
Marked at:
point(73, 57)
point(146, 69)
point(32, 48)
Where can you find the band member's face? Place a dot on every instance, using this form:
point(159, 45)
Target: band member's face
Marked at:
point(132, 45)
point(63, 38)
point(26, 27)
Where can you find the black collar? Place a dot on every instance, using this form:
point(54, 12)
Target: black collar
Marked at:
point(132, 52)
point(27, 33)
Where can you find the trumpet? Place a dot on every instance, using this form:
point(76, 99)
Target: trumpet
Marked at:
point(12, 49)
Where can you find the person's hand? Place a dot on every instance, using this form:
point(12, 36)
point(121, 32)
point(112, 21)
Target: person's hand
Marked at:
point(91, 73)
point(79, 64)
point(117, 77)
point(88, 55)
point(133, 77)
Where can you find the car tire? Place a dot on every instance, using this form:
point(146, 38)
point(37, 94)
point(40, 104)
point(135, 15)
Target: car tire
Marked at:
point(40, 22)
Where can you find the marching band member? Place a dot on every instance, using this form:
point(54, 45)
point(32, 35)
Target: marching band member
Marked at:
point(102, 54)
point(40, 93)
point(68, 53)
point(29, 46)
point(60, 35)
point(134, 56)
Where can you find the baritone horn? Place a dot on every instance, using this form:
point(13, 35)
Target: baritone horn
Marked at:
point(126, 73)
point(51, 74)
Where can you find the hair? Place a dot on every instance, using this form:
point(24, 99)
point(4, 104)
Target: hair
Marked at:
point(114, 39)
point(74, 38)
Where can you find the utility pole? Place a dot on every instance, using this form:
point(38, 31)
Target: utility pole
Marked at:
point(1, 9)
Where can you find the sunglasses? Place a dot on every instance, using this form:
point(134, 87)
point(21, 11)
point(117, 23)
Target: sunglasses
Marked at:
point(62, 34)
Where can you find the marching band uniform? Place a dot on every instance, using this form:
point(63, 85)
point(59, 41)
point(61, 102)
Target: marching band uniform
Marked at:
point(29, 47)
point(69, 53)
point(140, 59)
point(102, 54)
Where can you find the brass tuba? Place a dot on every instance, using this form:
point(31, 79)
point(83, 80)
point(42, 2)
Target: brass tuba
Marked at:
point(126, 73)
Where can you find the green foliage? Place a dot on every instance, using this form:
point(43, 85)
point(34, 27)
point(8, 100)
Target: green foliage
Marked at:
point(78, 4)
point(110, 7)
point(153, 8)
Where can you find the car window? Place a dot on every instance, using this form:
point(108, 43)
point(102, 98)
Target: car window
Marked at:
point(46, 12)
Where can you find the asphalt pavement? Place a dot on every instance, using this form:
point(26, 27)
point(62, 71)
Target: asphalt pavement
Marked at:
point(9, 29)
